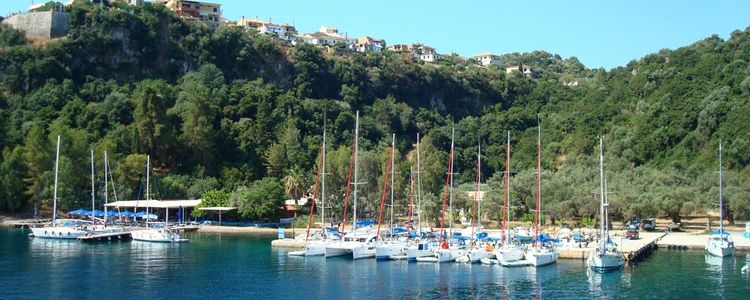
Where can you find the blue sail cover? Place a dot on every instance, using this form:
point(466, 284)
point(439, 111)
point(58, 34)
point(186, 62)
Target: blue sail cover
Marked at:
point(364, 223)
point(79, 212)
point(482, 235)
point(545, 238)
point(719, 232)
point(398, 230)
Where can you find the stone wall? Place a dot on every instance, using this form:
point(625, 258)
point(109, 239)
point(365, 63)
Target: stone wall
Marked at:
point(44, 25)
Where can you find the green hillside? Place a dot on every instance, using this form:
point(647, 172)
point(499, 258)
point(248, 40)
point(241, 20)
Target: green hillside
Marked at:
point(244, 114)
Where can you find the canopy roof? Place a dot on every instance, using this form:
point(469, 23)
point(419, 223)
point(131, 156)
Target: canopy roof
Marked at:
point(155, 203)
point(217, 208)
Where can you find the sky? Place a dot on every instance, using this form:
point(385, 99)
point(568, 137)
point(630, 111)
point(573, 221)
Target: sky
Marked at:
point(599, 33)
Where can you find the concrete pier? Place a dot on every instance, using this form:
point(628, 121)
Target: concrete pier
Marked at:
point(697, 241)
point(288, 243)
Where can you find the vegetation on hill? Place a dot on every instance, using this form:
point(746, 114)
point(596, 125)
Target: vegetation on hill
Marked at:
point(240, 116)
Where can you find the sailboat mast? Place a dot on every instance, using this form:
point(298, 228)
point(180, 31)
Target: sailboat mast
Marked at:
point(479, 187)
point(323, 185)
point(93, 202)
point(54, 197)
point(721, 197)
point(106, 167)
point(419, 190)
point(356, 160)
point(393, 158)
point(475, 218)
point(538, 182)
point(148, 171)
point(506, 211)
point(601, 195)
point(411, 201)
point(450, 192)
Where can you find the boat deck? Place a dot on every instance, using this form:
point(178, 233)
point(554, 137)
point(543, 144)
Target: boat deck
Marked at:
point(106, 237)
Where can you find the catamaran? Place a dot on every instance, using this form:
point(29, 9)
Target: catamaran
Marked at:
point(359, 242)
point(720, 244)
point(157, 235)
point(539, 255)
point(510, 251)
point(605, 256)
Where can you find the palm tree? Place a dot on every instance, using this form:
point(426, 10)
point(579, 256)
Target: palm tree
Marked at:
point(294, 183)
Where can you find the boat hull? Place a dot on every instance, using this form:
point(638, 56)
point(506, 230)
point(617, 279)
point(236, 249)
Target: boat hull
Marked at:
point(57, 232)
point(363, 251)
point(389, 251)
point(509, 254)
point(476, 255)
point(720, 249)
point(605, 262)
point(156, 236)
point(420, 250)
point(315, 249)
point(542, 257)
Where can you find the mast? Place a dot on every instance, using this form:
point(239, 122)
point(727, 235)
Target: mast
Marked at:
point(601, 195)
point(93, 204)
point(315, 195)
point(450, 192)
point(419, 190)
point(148, 171)
point(382, 197)
point(476, 217)
point(445, 194)
point(54, 197)
point(106, 167)
point(411, 201)
point(393, 174)
point(538, 182)
point(356, 160)
point(721, 198)
point(323, 184)
point(506, 209)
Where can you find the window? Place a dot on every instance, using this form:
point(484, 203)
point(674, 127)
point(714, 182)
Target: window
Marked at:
point(216, 9)
point(186, 5)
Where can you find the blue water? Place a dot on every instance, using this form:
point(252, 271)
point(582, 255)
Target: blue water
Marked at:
point(243, 266)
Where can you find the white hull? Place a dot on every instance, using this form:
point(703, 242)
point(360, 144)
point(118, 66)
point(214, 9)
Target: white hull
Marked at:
point(315, 249)
point(509, 254)
point(604, 262)
point(420, 250)
point(338, 249)
point(541, 257)
point(57, 232)
point(476, 255)
point(720, 249)
point(157, 236)
point(366, 250)
point(390, 251)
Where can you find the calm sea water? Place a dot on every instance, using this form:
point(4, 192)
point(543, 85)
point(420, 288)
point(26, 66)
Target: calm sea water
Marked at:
point(241, 266)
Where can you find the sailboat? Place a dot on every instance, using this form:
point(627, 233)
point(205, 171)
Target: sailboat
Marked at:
point(71, 229)
point(510, 251)
point(539, 255)
point(479, 250)
point(359, 242)
point(393, 248)
point(99, 229)
point(157, 235)
point(316, 247)
point(605, 256)
point(720, 244)
point(420, 248)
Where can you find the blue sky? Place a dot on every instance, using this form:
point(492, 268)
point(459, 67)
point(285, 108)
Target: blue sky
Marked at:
point(600, 33)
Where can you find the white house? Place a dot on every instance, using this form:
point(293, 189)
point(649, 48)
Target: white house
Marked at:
point(486, 59)
point(327, 35)
point(524, 69)
point(368, 44)
point(283, 31)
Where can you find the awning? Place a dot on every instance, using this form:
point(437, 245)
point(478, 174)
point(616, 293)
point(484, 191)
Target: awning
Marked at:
point(155, 203)
point(217, 208)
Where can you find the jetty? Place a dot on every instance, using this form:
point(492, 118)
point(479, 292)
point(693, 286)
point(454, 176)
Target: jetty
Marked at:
point(288, 243)
point(635, 250)
point(29, 223)
point(106, 237)
point(697, 241)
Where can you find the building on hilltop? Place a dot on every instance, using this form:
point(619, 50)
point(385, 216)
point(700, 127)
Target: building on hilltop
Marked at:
point(368, 44)
point(423, 52)
point(524, 69)
point(285, 32)
point(487, 59)
point(208, 13)
point(326, 36)
point(131, 2)
point(43, 25)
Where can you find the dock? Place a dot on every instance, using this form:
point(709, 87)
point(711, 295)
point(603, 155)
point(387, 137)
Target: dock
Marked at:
point(635, 250)
point(288, 243)
point(29, 223)
point(106, 237)
point(697, 241)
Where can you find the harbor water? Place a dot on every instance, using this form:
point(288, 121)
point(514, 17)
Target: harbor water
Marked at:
point(242, 266)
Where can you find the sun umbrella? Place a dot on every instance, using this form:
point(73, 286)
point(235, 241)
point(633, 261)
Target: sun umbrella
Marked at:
point(79, 212)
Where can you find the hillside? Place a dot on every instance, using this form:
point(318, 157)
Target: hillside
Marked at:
point(244, 114)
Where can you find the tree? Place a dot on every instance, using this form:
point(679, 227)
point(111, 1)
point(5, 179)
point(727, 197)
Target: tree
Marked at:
point(212, 198)
point(155, 131)
point(262, 200)
point(12, 171)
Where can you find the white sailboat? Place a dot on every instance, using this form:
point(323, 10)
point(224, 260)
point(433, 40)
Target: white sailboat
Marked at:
point(419, 247)
point(510, 251)
point(315, 247)
point(479, 250)
point(72, 231)
point(605, 256)
point(359, 242)
point(393, 248)
point(720, 244)
point(156, 235)
point(539, 255)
